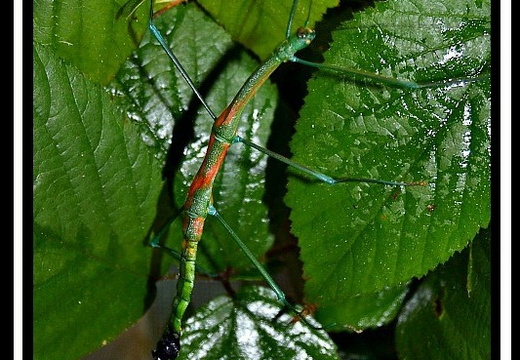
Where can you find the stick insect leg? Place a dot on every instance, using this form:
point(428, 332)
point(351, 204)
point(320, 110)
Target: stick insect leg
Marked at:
point(270, 281)
point(317, 175)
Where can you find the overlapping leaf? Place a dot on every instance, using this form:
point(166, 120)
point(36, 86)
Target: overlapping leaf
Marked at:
point(450, 314)
point(246, 20)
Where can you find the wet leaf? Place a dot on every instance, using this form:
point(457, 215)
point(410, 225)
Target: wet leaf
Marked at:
point(358, 238)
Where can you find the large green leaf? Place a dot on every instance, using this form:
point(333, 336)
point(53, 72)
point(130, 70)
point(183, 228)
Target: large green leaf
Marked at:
point(95, 193)
point(359, 238)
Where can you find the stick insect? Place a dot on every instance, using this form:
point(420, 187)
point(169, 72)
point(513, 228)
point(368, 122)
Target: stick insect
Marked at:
point(198, 211)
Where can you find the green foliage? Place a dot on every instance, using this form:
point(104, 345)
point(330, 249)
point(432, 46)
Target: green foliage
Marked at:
point(449, 315)
point(244, 328)
point(108, 173)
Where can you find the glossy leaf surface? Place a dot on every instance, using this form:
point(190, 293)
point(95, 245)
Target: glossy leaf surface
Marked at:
point(358, 238)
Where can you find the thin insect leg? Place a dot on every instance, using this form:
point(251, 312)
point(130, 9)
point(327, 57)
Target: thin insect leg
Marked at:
point(155, 241)
point(129, 8)
point(361, 75)
point(157, 34)
point(316, 174)
point(291, 17)
point(270, 281)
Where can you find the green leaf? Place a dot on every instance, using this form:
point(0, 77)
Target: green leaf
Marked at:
point(359, 238)
point(95, 189)
point(253, 325)
point(363, 311)
point(449, 315)
point(262, 25)
point(92, 35)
